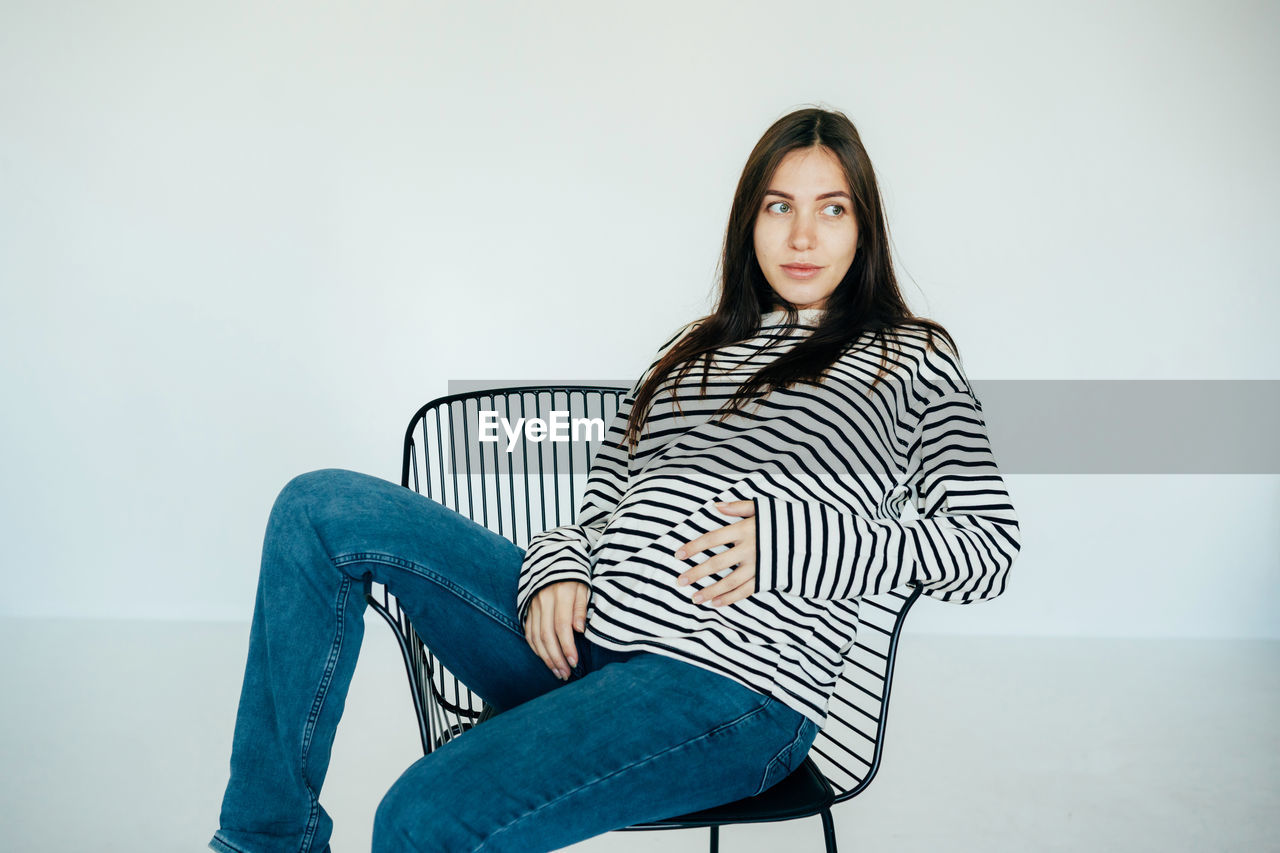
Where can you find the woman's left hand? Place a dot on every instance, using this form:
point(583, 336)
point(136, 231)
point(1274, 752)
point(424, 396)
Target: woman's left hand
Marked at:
point(741, 536)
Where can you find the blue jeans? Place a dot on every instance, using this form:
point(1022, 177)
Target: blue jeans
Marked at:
point(630, 737)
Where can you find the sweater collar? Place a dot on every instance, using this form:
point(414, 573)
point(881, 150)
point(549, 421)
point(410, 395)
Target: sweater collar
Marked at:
point(804, 317)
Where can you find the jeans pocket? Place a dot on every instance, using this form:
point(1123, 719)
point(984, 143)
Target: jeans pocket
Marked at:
point(790, 756)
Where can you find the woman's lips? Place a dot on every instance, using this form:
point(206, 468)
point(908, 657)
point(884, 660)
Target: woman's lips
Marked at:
point(800, 271)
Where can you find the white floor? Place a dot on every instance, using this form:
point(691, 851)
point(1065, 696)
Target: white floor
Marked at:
point(117, 735)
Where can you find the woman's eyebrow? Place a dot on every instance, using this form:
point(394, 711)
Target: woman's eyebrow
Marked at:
point(790, 197)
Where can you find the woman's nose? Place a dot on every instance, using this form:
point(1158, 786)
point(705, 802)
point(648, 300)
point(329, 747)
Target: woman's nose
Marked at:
point(802, 234)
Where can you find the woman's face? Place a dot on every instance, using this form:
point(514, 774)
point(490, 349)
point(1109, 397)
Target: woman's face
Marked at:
point(805, 235)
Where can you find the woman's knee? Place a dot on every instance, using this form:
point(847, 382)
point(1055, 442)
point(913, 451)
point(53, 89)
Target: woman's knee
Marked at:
point(310, 499)
point(319, 482)
point(318, 487)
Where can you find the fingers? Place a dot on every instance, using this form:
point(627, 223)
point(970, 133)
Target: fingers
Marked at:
point(741, 552)
point(739, 583)
point(550, 643)
point(738, 531)
point(580, 608)
point(563, 628)
point(533, 632)
point(550, 622)
point(734, 586)
point(720, 536)
point(706, 541)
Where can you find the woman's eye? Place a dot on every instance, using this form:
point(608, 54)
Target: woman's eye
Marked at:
point(785, 207)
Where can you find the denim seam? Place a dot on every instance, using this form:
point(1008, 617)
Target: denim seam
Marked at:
point(322, 692)
point(723, 727)
point(223, 846)
point(427, 574)
point(784, 756)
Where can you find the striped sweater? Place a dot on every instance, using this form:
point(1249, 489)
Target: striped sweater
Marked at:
point(829, 468)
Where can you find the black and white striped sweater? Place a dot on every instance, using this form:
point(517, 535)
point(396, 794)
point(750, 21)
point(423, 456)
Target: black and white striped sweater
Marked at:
point(829, 468)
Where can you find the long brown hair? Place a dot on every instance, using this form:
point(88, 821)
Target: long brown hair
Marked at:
point(867, 298)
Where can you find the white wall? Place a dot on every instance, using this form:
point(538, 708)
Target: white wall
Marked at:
point(239, 241)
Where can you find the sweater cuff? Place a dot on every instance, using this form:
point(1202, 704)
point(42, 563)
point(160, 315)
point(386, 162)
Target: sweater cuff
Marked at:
point(566, 568)
point(771, 572)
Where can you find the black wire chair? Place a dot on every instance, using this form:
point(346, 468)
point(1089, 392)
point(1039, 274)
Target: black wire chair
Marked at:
point(537, 485)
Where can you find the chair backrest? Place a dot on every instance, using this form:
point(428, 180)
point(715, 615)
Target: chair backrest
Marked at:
point(516, 489)
point(538, 484)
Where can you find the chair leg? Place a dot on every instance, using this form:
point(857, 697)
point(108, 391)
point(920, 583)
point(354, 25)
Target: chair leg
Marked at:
point(715, 839)
point(829, 830)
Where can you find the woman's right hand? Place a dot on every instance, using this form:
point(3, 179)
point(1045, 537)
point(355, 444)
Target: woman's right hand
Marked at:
point(555, 612)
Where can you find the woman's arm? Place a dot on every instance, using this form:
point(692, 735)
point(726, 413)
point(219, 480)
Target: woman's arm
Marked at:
point(960, 548)
point(564, 553)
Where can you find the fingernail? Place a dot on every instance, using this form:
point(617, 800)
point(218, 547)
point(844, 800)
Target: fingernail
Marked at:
point(573, 661)
point(581, 625)
point(697, 598)
point(680, 554)
point(682, 580)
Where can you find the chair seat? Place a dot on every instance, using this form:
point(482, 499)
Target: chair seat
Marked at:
point(805, 792)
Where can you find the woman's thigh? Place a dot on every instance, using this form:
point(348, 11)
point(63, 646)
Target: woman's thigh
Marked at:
point(456, 579)
point(634, 741)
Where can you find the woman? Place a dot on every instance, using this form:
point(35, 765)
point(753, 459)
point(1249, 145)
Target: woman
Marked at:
point(675, 648)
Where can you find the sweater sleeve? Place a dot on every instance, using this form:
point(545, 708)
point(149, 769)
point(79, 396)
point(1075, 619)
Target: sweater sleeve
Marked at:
point(959, 549)
point(564, 553)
